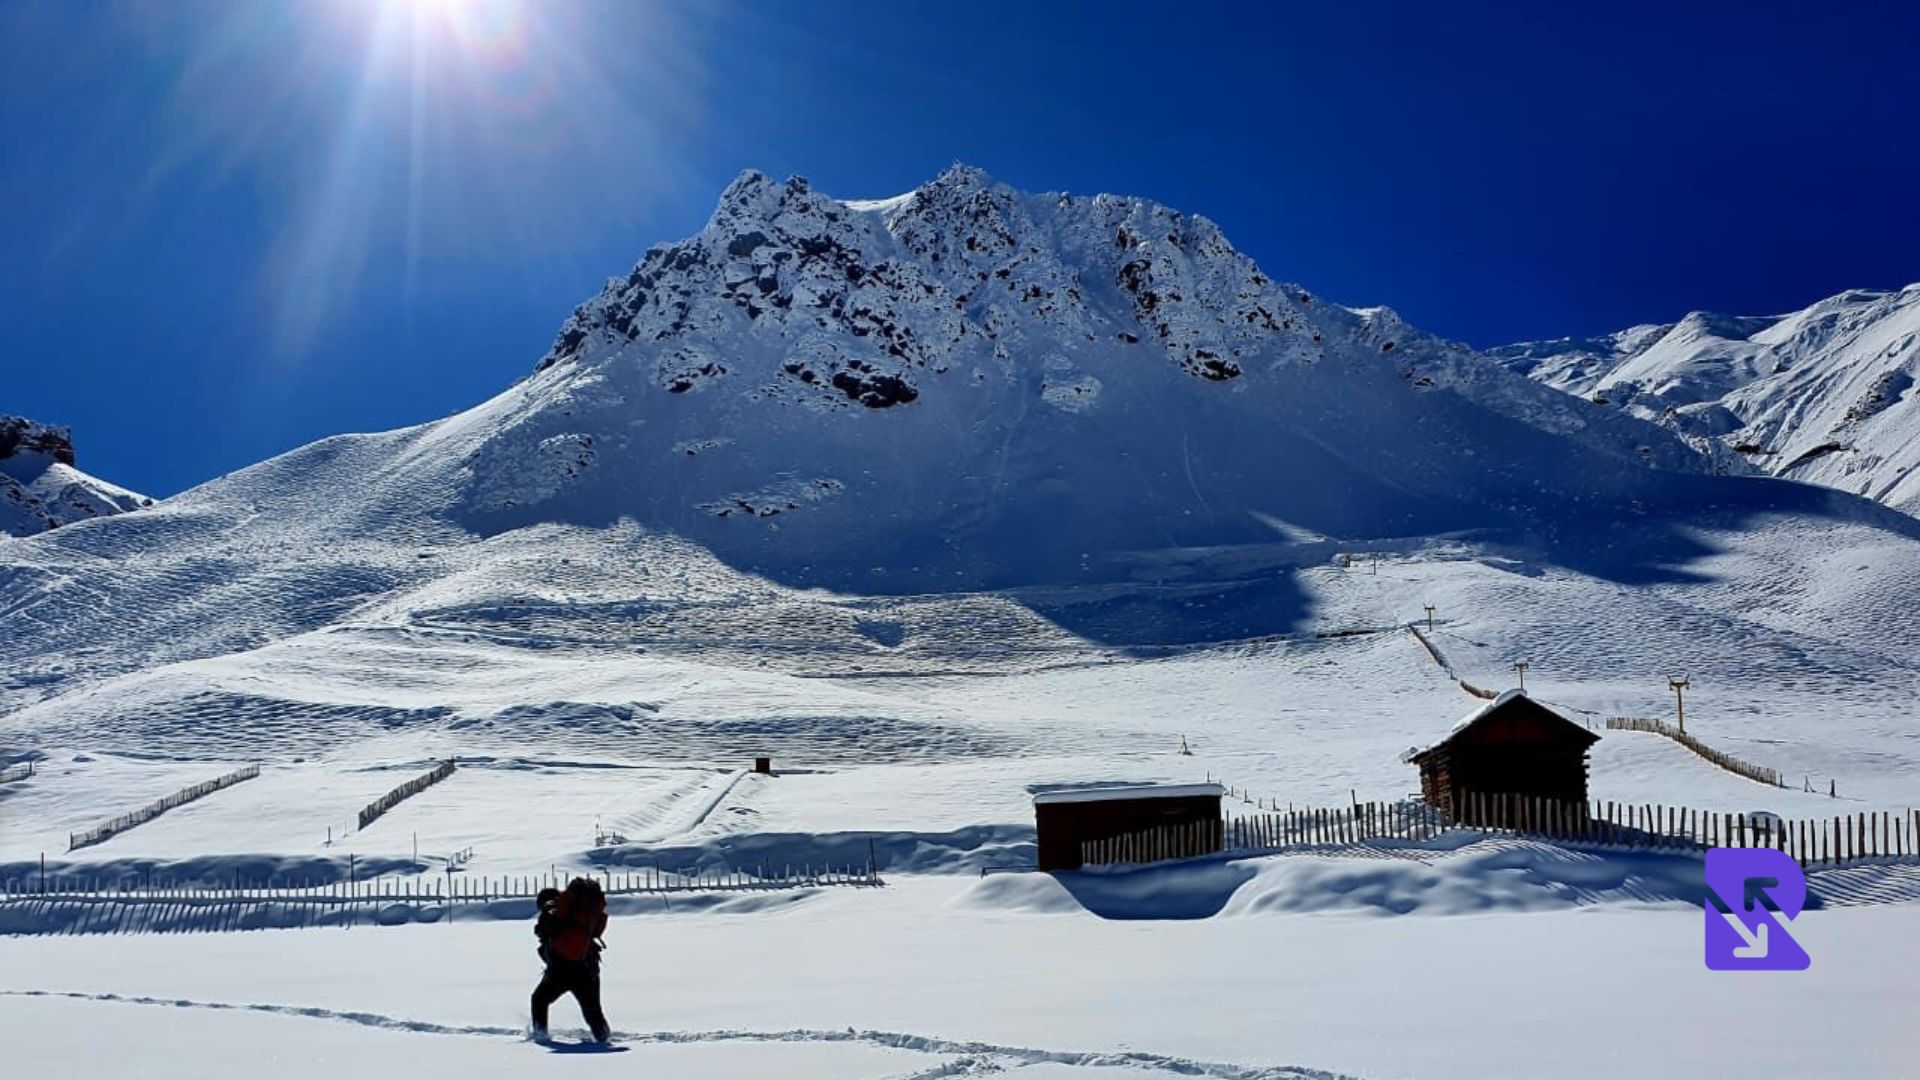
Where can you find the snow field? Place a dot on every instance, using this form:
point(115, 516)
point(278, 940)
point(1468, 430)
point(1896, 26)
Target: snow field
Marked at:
point(515, 815)
point(927, 960)
point(686, 542)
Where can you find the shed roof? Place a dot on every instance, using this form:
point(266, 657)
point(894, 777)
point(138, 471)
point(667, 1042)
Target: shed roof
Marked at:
point(1120, 792)
point(1488, 709)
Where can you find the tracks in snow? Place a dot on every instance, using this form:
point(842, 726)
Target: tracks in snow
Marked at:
point(686, 809)
point(967, 1057)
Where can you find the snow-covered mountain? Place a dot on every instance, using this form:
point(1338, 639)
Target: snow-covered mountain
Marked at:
point(940, 501)
point(977, 418)
point(973, 386)
point(39, 487)
point(1824, 394)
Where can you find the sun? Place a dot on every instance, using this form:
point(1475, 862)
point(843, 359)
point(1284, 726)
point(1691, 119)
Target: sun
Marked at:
point(480, 29)
point(417, 119)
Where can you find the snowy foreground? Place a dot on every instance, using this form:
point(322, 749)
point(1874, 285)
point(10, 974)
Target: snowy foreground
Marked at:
point(943, 976)
point(1465, 957)
point(939, 501)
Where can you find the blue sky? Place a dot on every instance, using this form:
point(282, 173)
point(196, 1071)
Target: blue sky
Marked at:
point(233, 228)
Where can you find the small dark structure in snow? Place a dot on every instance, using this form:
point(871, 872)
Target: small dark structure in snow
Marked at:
point(1066, 818)
point(1512, 745)
point(763, 766)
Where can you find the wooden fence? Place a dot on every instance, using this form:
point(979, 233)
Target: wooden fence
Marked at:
point(415, 786)
point(1350, 824)
point(17, 771)
point(160, 806)
point(1724, 760)
point(1440, 658)
point(1432, 650)
point(432, 888)
point(1180, 841)
point(1825, 841)
point(1821, 841)
point(1270, 832)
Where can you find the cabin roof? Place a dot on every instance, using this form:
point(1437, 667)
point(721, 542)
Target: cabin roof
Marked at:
point(1115, 793)
point(1497, 704)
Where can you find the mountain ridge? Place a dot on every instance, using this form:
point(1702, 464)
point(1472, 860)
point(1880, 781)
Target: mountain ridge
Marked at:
point(1047, 477)
point(1822, 394)
point(973, 302)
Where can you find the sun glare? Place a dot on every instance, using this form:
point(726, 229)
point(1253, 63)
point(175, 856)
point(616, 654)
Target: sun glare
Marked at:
point(487, 30)
point(399, 124)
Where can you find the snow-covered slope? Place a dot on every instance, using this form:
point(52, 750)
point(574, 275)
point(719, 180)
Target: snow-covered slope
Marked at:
point(972, 386)
point(940, 500)
point(39, 487)
point(959, 428)
point(1823, 395)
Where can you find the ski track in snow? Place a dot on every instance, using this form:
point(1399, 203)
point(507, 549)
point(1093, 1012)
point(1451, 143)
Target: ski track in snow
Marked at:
point(972, 1058)
point(687, 809)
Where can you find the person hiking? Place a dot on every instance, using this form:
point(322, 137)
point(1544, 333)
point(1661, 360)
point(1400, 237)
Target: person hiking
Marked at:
point(569, 928)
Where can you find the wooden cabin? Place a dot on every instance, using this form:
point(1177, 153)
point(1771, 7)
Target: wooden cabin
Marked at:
point(1512, 745)
point(1065, 818)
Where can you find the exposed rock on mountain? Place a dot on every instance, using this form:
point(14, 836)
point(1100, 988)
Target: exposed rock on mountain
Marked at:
point(39, 487)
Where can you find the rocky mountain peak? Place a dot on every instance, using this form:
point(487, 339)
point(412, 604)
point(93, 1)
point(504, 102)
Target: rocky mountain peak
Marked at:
point(946, 371)
point(869, 298)
point(39, 487)
point(19, 435)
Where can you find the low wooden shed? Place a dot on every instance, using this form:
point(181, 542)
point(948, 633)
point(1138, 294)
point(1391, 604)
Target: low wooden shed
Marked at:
point(1065, 818)
point(1512, 745)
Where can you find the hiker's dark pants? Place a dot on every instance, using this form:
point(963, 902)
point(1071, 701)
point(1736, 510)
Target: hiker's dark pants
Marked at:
point(583, 983)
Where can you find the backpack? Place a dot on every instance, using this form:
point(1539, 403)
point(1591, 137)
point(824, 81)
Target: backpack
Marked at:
point(578, 916)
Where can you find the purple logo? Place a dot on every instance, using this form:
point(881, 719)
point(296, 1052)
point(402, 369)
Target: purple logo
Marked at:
point(1752, 893)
